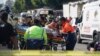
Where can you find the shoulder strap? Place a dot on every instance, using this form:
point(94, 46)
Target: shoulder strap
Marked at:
point(28, 34)
point(42, 33)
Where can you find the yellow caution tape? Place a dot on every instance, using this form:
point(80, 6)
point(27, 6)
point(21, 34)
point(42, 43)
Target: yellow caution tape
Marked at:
point(47, 53)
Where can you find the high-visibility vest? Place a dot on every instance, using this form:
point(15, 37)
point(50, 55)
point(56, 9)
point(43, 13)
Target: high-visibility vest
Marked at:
point(35, 32)
point(67, 28)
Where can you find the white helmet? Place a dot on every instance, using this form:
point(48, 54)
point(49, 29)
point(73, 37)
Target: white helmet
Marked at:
point(23, 14)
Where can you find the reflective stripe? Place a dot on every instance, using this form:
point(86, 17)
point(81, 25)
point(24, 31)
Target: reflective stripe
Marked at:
point(35, 38)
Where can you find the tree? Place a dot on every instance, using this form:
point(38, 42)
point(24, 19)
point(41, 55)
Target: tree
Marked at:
point(23, 5)
point(37, 3)
point(28, 4)
point(55, 4)
point(19, 6)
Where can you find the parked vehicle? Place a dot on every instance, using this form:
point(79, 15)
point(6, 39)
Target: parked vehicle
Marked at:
point(89, 23)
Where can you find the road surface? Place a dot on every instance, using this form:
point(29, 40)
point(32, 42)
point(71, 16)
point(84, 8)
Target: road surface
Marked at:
point(78, 47)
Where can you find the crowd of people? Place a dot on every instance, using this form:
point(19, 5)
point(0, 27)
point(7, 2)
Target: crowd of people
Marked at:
point(38, 33)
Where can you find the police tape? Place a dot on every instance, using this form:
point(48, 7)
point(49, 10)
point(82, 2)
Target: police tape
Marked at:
point(47, 53)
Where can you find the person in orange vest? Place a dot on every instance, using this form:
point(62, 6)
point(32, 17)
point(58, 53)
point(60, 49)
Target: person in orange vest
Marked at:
point(66, 27)
point(68, 33)
point(70, 20)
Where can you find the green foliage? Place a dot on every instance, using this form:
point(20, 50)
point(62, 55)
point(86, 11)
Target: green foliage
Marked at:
point(38, 3)
point(28, 4)
point(23, 5)
point(19, 6)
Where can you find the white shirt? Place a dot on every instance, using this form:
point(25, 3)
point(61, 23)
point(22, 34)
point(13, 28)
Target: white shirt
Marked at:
point(51, 31)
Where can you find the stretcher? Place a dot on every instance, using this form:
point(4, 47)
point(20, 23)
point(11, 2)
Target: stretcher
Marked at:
point(55, 41)
point(21, 30)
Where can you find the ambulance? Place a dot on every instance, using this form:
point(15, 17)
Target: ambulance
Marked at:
point(89, 22)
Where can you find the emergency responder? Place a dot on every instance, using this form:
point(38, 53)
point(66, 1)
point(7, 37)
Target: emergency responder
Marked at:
point(68, 33)
point(21, 26)
point(95, 44)
point(7, 34)
point(29, 21)
point(35, 36)
point(50, 30)
point(22, 21)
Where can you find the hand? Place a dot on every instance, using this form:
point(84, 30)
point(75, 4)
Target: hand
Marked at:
point(60, 31)
point(92, 50)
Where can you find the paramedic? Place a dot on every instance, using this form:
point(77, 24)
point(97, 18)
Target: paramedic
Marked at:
point(35, 36)
point(68, 34)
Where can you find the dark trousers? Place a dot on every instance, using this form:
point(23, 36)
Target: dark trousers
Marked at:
point(6, 42)
point(34, 44)
point(70, 39)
